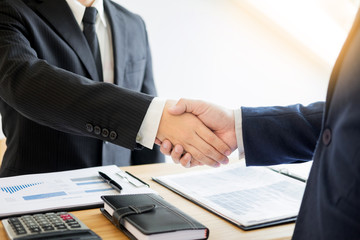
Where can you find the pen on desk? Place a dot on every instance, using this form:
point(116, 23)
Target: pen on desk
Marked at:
point(111, 182)
point(137, 179)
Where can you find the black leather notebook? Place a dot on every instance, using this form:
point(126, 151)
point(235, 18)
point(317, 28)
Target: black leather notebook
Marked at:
point(148, 216)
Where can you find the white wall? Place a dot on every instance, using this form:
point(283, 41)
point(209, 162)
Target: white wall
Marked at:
point(218, 50)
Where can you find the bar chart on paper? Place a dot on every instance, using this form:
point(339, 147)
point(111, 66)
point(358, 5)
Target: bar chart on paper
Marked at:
point(16, 188)
point(51, 191)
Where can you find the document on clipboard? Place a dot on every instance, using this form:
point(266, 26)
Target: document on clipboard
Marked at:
point(249, 197)
point(65, 190)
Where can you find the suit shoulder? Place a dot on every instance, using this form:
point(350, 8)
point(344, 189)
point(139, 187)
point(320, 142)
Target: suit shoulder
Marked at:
point(130, 16)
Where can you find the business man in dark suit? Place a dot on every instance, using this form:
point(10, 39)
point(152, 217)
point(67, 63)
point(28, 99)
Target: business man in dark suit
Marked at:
point(328, 133)
point(65, 105)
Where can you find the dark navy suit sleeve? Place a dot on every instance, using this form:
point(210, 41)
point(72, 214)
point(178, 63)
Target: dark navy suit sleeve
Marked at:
point(276, 135)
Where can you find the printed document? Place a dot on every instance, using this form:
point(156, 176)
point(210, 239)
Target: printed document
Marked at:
point(69, 190)
point(246, 196)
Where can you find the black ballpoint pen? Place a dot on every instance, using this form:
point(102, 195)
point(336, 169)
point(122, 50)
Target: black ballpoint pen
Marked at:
point(111, 182)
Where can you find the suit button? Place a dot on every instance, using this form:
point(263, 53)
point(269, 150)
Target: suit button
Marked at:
point(326, 137)
point(97, 130)
point(113, 135)
point(105, 133)
point(89, 127)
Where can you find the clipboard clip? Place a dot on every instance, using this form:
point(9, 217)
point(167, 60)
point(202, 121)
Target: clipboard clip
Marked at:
point(125, 175)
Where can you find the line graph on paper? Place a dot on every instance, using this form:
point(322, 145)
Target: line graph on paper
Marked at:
point(15, 188)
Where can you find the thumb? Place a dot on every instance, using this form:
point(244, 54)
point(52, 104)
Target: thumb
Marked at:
point(180, 107)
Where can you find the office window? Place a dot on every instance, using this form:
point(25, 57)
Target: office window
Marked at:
point(320, 26)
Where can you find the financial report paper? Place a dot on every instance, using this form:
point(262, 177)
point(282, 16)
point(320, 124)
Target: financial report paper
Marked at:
point(246, 196)
point(74, 189)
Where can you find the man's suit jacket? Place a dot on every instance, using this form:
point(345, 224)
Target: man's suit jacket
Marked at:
point(56, 114)
point(327, 133)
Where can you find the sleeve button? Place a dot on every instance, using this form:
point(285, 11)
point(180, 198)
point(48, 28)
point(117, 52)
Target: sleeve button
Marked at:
point(105, 133)
point(89, 127)
point(97, 130)
point(113, 135)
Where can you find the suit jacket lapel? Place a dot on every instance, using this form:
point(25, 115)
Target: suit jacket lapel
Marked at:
point(118, 30)
point(58, 13)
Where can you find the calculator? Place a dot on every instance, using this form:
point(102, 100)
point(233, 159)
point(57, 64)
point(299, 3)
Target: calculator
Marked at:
point(52, 225)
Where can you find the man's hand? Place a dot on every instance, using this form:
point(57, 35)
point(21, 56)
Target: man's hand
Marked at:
point(189, 132)
point(219, 120)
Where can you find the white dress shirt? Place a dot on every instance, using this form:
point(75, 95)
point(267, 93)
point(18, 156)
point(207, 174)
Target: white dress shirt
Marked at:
point(148, 130)
point(238, 131)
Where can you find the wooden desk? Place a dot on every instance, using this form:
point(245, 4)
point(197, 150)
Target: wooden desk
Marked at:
point(219, 228)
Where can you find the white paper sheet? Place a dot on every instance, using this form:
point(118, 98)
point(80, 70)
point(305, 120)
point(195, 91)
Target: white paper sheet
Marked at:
point(60, 190)
point(244, 195)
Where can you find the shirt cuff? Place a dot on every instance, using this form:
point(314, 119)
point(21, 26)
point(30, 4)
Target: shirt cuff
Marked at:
point(149, 127)
point(238, 131)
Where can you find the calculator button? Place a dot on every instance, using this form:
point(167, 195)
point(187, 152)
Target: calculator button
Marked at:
point(20, 232)
point(44, 225)
point(17, 225)
point(48, 228)
point(74, 225)
point(34, 229)
point(62, 226)
point(70, 221)
point(13, 219)
point(31, 225)
point(58, 223)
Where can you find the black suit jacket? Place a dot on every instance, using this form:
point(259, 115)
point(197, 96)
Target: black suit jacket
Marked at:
point(55, 113)
point(330, 134)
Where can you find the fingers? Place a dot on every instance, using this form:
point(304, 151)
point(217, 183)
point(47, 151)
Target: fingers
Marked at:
point(176, 153)
point(188, 131)
point(179, 108)
point(207, 148)
point(185, 105)
point(166, 147)
point(187, 161)
point(222, 149)
point(158, 142)
point(197, 153)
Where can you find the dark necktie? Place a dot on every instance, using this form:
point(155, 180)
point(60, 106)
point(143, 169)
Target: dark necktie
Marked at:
point(90, 35)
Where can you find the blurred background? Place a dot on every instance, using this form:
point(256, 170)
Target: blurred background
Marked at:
point(244, 52)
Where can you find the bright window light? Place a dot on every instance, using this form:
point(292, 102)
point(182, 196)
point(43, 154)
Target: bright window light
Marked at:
point(319, 25)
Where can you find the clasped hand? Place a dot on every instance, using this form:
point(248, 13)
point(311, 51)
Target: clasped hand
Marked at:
point(195, 132)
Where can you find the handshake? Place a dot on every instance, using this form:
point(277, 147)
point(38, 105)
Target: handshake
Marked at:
point(196, 133)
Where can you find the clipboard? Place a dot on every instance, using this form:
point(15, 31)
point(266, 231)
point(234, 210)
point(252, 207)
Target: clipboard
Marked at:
point(248, 197)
